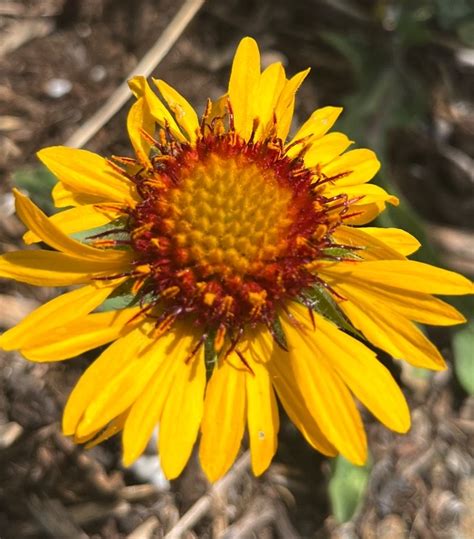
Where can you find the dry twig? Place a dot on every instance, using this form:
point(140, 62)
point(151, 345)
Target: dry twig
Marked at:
point(204, 504)
point(261, 514)
point(146, 65)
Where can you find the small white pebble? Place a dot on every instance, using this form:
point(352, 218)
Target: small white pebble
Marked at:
point(465, 57)
point(57, 88)
point(98, 73)
point(7, 204)
point(148, 468)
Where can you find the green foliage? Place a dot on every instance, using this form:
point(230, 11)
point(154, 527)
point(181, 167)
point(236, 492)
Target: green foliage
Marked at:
point(115, 303)
point(389, 93)
point(347, 487)
point(37, 182)
point(321, 301)
point(210, 355)
point(463, 344)
point(121, 298)
point(453, 14)
point(84, 235)
point(279, 334)
point(341, 253)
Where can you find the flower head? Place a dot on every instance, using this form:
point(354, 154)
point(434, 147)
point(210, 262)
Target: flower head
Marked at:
point(243, 272)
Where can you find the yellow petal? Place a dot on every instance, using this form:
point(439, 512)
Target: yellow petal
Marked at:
point(140, 119)
point(360, 370)
point(49, 268)
point(326, 148)
point(271, 84)
point(34, 219)
point(183, 112)
point(395, 238)
point(286, 103)
point(121, 389)
point(105, 368)
point(317, 125)
point(360, 166)
point(64, 197)
point(79, 219)
point(243, 85)
point(393, 333)
point(406, 275)
point(57, 312)
point(295, 404)
point(223, 421)
point(361, 214)
point(88, 173)
point(81, 335)
point(416, 306)
point(218, 108)
point(171, 350)
point(146, 411)
point(114, 427)
point(262, 416)
point(160, 113)
point(182, 414)
point(326, 396)
point(372, 248)
point(370, 193)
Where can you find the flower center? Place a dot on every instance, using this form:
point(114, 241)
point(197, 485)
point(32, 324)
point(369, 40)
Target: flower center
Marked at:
point(229, 215)
point(226, 230)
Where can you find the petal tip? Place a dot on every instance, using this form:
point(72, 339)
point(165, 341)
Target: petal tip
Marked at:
point(395, 201)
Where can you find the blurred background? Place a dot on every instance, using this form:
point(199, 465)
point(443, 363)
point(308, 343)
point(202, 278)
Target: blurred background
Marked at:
point(404, 71)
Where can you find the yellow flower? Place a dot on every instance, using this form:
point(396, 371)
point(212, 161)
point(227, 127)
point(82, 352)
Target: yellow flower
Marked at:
point(240, 254)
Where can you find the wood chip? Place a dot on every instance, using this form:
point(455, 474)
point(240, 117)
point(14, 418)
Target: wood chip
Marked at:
point(9, 433)
point(136, 493)
point(146, 529)
point(20, 32)
point(14, 308)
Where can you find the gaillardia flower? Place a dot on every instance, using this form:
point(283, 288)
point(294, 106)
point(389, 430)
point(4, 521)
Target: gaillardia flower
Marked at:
point(241, 273)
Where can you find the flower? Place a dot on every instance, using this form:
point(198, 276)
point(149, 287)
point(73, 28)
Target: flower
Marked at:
point(243, 273)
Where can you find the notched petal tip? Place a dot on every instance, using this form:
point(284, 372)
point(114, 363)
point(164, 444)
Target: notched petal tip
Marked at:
point(137, 85)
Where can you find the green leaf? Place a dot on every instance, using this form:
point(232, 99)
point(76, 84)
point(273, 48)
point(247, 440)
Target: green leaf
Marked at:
point(210, 355)
point(83, 235)
point(115, 303)
point(347, 487)
point(321, 301)
point(122, 298)
point(37, 182)
point(340, 253)
point(278, 333)
point(463, 344)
